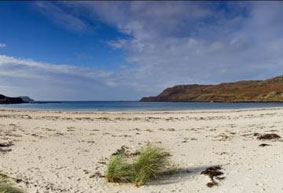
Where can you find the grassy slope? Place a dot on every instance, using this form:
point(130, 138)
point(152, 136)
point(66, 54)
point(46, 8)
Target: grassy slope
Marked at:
point(254, 91)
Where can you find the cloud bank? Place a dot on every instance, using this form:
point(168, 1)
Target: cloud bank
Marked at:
point(168, 43)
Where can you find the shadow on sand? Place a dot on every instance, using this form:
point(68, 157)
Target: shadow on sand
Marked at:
point(178, 175)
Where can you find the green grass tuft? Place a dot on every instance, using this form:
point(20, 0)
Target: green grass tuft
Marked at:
point(6, 188)
point(5, 185)
point(119, 170)
point(148, 164)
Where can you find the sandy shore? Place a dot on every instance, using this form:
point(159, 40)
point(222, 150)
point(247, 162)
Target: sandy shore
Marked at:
point(60, 151)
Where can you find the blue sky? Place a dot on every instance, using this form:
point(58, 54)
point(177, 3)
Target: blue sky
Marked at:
point(30, 34)
point(127, 50)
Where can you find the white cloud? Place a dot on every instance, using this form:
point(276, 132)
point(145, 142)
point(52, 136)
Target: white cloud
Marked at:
point(195, 42)
point(58, 15)
point(117, 43)
point(2, 45)
point(55, 82)
point(169, 43)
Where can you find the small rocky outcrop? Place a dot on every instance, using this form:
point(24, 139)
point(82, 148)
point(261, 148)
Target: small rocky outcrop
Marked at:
point(14, 100)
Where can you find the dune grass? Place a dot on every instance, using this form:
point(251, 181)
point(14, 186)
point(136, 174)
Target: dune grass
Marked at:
point(119, 170)
point(138, 169)
point(6, 187)
point(150, 162)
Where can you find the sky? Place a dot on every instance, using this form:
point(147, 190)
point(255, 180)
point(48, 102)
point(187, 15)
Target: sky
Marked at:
point(87, 50)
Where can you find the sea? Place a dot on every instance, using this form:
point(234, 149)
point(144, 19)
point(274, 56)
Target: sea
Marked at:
point(135, 106)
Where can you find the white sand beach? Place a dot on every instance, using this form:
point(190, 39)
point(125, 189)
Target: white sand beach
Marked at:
point(60, 151)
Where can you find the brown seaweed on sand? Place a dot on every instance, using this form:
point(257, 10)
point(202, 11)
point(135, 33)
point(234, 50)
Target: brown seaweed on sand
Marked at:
point(6, 144)
point(4, 147)
point(263, 145)
point(214, 174)
point(268, 136)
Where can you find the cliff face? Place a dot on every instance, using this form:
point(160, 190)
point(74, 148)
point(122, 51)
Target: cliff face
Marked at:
point(270, 90)
point(10, 100)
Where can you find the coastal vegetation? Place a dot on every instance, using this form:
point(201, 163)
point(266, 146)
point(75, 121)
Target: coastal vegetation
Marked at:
point(139, 167)
point(6, 187)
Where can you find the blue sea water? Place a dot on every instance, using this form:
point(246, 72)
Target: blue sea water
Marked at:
point(135, 106)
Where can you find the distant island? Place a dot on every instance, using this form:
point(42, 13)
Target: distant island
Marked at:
point(270, 90)
point(14, 100)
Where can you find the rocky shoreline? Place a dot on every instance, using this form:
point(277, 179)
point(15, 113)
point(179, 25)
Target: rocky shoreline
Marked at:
point(14, 100)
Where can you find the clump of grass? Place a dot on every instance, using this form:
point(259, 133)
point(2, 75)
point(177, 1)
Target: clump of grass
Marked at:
point(3, 178)
point(138, 168)
point(6, 188)
point(150, 162)
point(119, 170)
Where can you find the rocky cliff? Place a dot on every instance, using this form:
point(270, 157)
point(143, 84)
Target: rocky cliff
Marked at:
point(270, 90)
point(13, 100)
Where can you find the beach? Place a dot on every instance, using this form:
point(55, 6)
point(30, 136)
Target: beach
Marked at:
point(64, 151)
